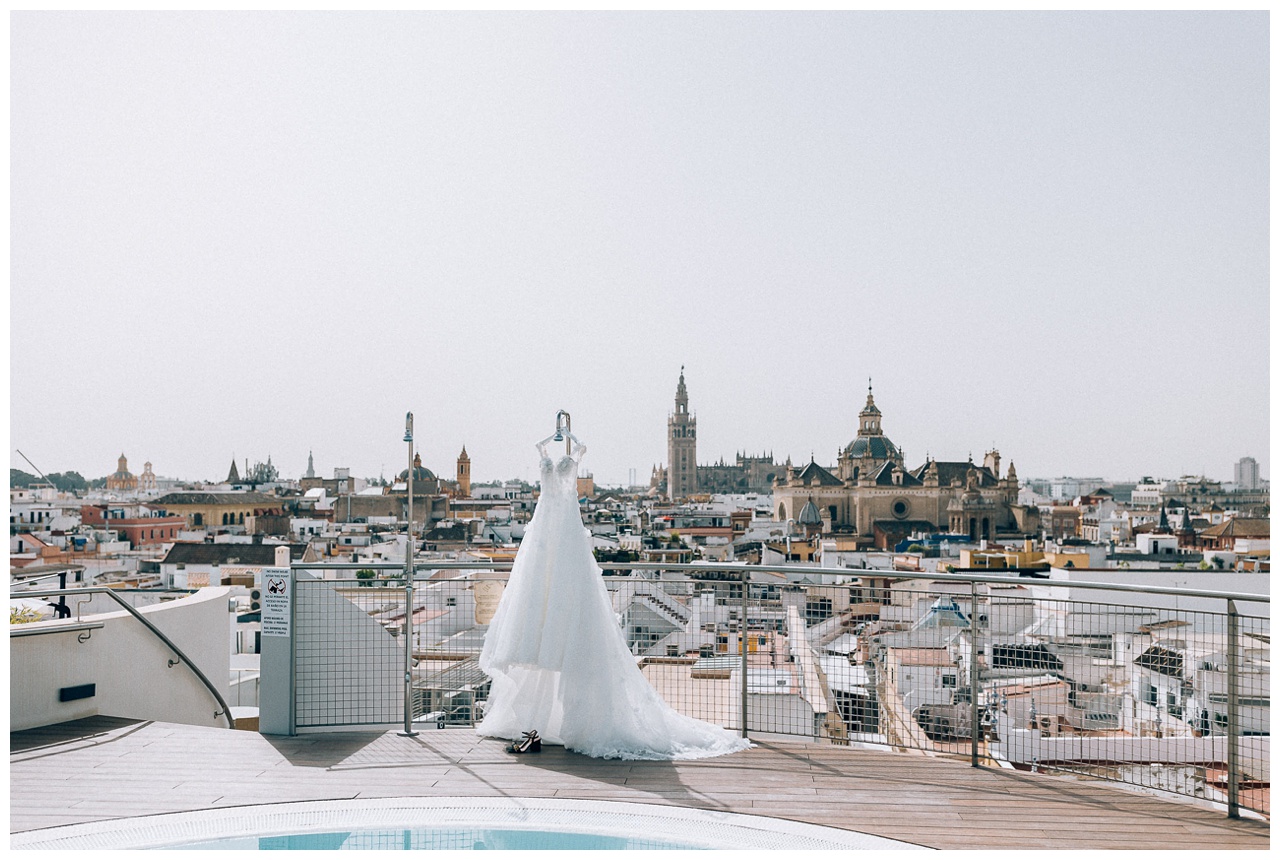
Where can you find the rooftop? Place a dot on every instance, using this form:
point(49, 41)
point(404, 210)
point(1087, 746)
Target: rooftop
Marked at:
point(105, 768)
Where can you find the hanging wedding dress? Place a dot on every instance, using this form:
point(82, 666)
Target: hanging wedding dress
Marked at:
point(556, 653)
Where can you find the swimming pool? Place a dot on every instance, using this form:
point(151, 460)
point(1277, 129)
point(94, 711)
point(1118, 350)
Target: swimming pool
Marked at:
point(451, 823)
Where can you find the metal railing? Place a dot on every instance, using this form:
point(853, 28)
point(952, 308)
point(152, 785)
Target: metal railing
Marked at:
point(225, 709)
point(1162, 688)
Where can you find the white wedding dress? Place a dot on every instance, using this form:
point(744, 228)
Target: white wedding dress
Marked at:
point(557, 656)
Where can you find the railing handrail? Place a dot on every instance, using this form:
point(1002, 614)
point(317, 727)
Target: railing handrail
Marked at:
point(226, 709)
point(721, 567)
point(888, 704)
point(16, 579)
point(19, 630)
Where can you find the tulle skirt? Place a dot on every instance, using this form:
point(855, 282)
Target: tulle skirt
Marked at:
point(559, 663)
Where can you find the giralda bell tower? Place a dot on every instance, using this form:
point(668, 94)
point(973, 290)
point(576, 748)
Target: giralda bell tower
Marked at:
point(682, 447)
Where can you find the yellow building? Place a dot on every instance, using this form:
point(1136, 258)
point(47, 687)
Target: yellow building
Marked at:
point(215, 510)
point(1027, 557)
point(464, 474)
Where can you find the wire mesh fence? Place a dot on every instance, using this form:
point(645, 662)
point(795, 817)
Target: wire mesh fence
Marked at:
point(348, 653)
point(1158, 690)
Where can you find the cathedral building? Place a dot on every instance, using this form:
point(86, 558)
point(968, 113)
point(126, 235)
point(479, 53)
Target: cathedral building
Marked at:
point(682, 477)
point(682, 447)
point(872, 493)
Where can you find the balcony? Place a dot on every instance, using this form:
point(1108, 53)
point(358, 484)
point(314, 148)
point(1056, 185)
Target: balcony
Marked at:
point(864, 732)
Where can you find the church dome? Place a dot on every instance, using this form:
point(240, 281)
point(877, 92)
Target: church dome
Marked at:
point(809, 515)
point(878, 447)
point(871, 441)
point(420, 472)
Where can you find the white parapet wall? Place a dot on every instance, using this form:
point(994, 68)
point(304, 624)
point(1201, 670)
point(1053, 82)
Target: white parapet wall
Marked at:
point(1031, 748)
point(128, 665)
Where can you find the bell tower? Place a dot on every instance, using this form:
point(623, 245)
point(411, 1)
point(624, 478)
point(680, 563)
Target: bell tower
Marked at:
point(682, 446)
point(464, 474)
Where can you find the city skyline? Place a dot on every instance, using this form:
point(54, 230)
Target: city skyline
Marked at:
point(446, 471)
point(267, 234)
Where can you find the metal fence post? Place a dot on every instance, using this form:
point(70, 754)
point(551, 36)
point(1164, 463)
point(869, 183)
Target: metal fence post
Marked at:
point(1233, 703)
point(742, 646)
point(974, 651)
point(293, 651)
point(407, 633)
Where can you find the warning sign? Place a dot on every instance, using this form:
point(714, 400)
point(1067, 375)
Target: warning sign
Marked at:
point(488, 594)
point(277, 600)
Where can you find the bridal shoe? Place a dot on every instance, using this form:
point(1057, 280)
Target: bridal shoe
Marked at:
point(529, 743)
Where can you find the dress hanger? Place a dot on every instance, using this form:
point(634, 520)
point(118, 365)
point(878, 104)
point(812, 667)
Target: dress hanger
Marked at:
point(562, 433)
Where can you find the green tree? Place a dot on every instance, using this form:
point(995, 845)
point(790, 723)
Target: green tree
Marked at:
point(68, 481)
point(19, 478)
point(365, 575)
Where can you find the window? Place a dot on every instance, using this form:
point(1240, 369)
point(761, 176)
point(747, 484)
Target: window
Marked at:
point(818, 610)
point(949, 681)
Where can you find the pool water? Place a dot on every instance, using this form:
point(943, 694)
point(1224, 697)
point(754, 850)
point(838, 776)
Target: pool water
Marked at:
point(450, 823)
point(429, 839)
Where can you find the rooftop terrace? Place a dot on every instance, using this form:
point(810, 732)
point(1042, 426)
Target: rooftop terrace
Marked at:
point(106, 768)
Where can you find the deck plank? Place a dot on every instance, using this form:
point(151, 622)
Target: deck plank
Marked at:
point(101, 768)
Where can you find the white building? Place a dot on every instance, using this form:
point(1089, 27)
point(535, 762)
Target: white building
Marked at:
point(1146, 493)
point(1153, 544)
point(1247, 477)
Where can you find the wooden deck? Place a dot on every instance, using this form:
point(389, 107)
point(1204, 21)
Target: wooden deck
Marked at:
point(104, 768)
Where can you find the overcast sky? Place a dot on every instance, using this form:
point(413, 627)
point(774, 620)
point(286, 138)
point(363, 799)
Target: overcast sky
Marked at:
point(253, 234)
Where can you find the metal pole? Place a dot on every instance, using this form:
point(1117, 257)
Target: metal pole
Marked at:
point(293, 651)
point(974, 651)
point(742, 646)
point(407, 631)
point(1233, 702)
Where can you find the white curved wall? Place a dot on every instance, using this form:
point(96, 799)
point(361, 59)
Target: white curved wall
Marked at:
point(128, 664)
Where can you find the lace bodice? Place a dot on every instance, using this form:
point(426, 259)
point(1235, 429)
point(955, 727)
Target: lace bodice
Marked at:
point(560, 474)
